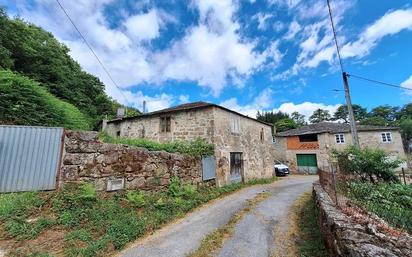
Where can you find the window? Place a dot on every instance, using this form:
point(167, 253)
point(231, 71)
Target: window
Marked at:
point(234, 124)
point(118, 133)
point(340, 138)
point(308, 138)
point(262, 135)
point(386, 137)
point(165, 124)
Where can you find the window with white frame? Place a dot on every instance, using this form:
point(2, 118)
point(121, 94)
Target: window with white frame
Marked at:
point(340, 138)
point(234, 124)
point(386, 137)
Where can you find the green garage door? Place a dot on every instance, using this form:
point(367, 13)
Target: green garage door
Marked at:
point(307, 163)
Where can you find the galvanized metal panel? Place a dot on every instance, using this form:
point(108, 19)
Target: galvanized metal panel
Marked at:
point(208, 167)
point(29, 157)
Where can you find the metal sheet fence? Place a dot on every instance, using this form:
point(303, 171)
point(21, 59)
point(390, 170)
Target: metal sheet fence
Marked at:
point(29, 158)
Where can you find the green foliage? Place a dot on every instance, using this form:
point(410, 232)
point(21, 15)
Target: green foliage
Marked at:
point(320, 115)
point(36, 53)
point(285, 124)
point(392, 202)
point(87, 191)
point(368, 163)
point(136, 199)
point(25, 102)
point(341, 113)
point(195, 148)
point(406, 128)
point(19, 205)
point(298, 118)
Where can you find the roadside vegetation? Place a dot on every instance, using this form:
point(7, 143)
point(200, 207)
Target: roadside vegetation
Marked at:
point(197, 147)
point(78, 221)
point(371, 182)
point(303, 237)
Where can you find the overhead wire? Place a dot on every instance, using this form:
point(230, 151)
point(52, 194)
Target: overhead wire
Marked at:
point(379, 82)
point(93, 52)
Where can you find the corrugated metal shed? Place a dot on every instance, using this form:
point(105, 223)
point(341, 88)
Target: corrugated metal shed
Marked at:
point(29, 157)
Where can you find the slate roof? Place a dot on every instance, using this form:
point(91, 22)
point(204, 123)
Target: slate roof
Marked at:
point(186, 107)
point(329, 127)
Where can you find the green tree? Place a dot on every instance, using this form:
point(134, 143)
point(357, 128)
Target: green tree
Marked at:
point(25, 102)
point(271, 117)
point(375, 121)
point(342, 113)
point(384, 112)
point(406, 131)
point(320, 115)
point(285, 124)
point(298, 118)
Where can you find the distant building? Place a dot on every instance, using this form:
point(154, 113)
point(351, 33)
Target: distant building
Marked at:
point(308, 148)
point(243, 145)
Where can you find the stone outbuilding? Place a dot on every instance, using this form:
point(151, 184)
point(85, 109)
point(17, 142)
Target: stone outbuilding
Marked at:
point(308, 148)
point(243, 145)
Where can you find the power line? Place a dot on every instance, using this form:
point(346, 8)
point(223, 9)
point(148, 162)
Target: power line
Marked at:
point(334, 36)
point(379, 82)
point(91, 49)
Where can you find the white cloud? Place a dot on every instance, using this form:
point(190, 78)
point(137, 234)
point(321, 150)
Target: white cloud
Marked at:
point(408, 84)
point(389, 24)
point(262, 19)
point(262, 101)
point(184, 99)
point(294, 28)
point(305, 108)
point(143, 26)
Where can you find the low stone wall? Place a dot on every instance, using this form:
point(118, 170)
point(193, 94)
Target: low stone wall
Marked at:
point(85, 158)
point(345, 237)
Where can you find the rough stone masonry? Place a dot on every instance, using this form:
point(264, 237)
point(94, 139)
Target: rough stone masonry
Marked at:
point(85, 158)
point(347, 238)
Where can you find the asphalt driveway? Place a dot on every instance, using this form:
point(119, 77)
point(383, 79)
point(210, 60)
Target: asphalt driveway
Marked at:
point(253, 236)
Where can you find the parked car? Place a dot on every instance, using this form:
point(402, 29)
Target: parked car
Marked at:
point(281, 169)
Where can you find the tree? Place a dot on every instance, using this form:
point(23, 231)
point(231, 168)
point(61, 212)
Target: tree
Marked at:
point(405, 112)
point(375, 121)
point(385, 112)
point(320, 115)
point(285, 124)
point(298, 118)
point(342, 113)
point(406, 131)
point(271, 117)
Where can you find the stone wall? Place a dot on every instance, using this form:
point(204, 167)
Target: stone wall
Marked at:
point(85, 158)
point(347, 238)
point(185, 125)
point(257, 154)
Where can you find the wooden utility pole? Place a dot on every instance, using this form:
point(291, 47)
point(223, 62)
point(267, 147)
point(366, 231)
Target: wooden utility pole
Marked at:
point(352, 120)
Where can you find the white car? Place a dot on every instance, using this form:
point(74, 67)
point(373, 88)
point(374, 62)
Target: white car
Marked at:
point(281, 169)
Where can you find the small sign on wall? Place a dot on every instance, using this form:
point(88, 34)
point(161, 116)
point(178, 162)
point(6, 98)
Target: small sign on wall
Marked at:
point(115, 184)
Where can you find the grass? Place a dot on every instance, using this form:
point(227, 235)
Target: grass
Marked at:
point(390, 201)
point(92, 223)
point(195, 148)
point(215, 240)
point(303, 237)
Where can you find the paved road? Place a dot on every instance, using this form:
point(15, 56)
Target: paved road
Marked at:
point(254, 234)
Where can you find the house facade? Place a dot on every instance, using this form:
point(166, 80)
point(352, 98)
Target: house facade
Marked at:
point(243, 145)
point(308, 148)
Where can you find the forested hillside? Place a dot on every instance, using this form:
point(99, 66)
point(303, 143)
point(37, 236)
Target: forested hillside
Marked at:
point(36, 56)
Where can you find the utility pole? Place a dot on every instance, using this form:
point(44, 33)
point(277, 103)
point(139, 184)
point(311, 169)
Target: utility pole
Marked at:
point(352, 120)
point(345, 76)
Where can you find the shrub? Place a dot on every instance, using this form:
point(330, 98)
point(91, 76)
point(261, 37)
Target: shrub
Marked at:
point(15, 205)
point(87, 191)
point(136, 199)
point(197, 147)
point(392, 202)
point(369, 164)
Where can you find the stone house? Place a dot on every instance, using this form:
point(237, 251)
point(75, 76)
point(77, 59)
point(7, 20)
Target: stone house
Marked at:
point(308, 148)
point(243, 145)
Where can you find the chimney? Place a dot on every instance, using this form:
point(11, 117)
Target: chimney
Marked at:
point(144, 106)
point(120, 112)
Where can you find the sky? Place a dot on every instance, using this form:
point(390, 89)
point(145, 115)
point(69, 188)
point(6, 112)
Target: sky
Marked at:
point(246, 55)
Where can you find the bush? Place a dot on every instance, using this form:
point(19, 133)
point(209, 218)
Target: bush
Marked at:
point(25, 102)
point(136, 199)
point(392, 202)
point(16, 205)
point(197, 147)
point(369, 164)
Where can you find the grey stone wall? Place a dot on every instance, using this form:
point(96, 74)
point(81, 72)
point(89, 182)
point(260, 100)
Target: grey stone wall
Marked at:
point(346, 238)
point(85, 158)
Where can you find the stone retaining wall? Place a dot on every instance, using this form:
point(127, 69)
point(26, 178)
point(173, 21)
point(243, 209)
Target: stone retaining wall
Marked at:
point(345, 237)
point(85, 158)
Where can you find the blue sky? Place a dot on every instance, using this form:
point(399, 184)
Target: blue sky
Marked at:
point(246, 55)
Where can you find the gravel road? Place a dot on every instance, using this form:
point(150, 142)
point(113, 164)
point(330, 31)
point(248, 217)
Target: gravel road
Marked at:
point(254, 234)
